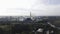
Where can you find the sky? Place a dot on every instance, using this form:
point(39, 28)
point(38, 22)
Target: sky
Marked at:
point(24, 7)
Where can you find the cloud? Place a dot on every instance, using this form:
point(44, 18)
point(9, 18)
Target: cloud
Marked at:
point(46, 9)
point(37, 7)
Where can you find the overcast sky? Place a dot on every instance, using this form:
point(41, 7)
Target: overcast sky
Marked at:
point(23, 7)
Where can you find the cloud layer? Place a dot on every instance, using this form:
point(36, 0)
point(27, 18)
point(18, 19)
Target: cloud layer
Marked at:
point(23, 7)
